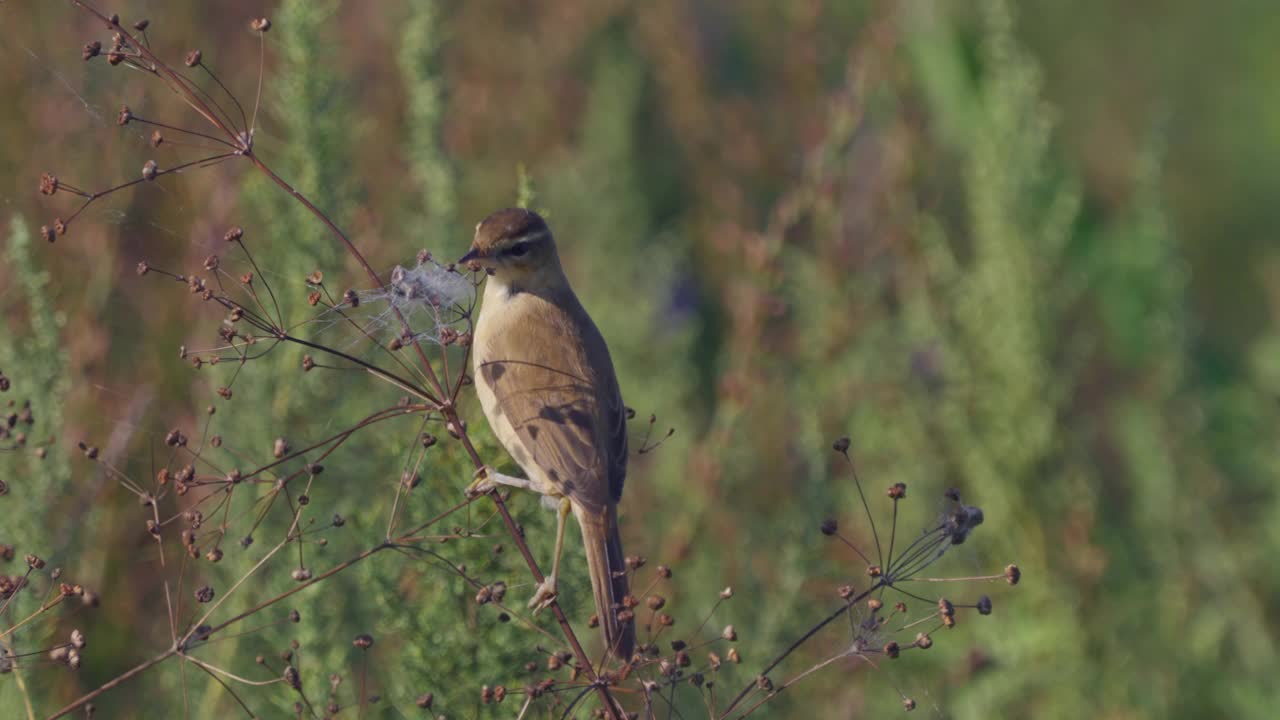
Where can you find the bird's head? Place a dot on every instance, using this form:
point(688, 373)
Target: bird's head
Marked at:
point(515, 246)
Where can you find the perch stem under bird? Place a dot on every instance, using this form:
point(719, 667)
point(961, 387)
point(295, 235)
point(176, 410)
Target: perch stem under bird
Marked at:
point(547, 386)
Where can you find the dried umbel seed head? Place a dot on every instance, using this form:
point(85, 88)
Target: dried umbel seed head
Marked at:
point(307, 363)
point(845, 592)
point(874, 604)
point(91, 50)
point(124, 116)
point(729, 633)
point(635, 562)
point(664, 572)
point(726, 593)
point(1012, 574)
point(829, 526)
point(425, 701)
point(841, 445)
point(142, 25)
point(874, 571)
point(214, 555)
point(7, 552)
point(48, 184)
point(410, 480)
point(656, 602)
point(204, 594)
point(150, 170)
point(260, 24)
point(945, 608)
point(897, 491)
point(280, 448)
point(351, 298)
point(891, 650)
point(35, 562)
point(364, 641)
point(78, 640)
point(923, 641)
point(234, 234)
point(962, 521)
point(908, 704)
point(292, 678)
point(193, 58)
point(301, 574)
point(665, 620)
point(984, 605)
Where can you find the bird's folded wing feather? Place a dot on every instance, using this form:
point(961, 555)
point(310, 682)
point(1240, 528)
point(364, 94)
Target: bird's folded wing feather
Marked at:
point(553, 380)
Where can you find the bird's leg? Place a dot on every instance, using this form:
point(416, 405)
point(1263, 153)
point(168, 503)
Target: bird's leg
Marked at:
point(546, 592)
point(487, 480)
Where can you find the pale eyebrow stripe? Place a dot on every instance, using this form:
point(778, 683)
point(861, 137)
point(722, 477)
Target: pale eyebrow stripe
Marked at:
point(530, 236)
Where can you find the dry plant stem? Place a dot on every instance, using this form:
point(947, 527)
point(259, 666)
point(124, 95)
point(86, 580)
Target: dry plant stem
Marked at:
point(88, 697)
point(768, 696)
point(801, 641)
point(19, 681)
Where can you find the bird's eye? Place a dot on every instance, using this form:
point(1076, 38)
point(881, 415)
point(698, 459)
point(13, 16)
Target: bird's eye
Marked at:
point(518, 250)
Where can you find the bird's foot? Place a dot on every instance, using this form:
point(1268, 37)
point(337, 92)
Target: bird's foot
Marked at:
point(544, 595)
point(483, 482)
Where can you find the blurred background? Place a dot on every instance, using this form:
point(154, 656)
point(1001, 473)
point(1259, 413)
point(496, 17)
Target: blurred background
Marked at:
point(1026, 250)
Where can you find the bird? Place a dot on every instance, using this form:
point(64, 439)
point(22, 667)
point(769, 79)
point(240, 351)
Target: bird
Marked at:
point(547, 386)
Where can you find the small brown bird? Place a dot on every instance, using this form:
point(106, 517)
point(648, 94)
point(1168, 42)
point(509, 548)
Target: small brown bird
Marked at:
point(547, 386)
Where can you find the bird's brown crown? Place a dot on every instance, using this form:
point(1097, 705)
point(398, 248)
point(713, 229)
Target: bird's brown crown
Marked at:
point(506, 230)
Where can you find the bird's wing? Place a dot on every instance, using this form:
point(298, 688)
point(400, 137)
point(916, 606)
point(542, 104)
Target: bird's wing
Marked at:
point(554, 382)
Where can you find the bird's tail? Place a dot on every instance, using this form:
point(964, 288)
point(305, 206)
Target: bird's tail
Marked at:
point(607, 567)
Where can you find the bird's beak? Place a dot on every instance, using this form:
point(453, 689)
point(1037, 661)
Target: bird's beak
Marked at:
point(472, 254)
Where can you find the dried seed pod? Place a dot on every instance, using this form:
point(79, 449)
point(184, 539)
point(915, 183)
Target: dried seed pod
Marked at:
point(1012, 574)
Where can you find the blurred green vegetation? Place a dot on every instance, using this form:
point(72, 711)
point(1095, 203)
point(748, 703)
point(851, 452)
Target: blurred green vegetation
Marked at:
point(1026, 254)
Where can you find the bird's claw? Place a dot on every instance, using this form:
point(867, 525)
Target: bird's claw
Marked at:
point(483, 483)
point(543, 596)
